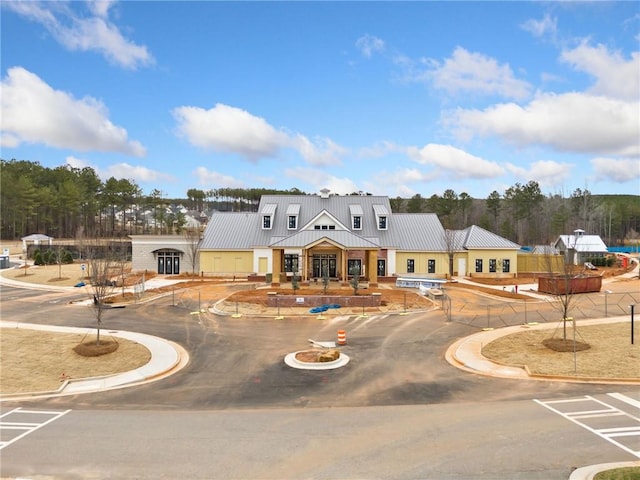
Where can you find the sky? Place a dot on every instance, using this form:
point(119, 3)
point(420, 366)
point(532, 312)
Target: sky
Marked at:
point(387, 98)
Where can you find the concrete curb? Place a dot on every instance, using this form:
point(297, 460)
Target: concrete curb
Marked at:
point(589, 472)
point(291, 360)
point(167, 358)
point(466, 354)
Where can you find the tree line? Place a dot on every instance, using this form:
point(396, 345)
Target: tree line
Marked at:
point(65, 202)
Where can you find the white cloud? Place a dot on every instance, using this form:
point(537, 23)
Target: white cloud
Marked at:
point(34, 112)
point(548, 173)
point(229, 129)
point(138, 173)
point(615, 76)
point(574, 122)
point(617, 170)
point(320, 179)
point(323, 152)
point(369, 44)
point(134, 172)
point(215, 179)
point(539, 28)
point(455, 161)
point(85, 33)
point(465, 72)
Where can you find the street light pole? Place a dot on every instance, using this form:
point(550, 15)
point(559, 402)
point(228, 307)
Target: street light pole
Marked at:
point(632, 307)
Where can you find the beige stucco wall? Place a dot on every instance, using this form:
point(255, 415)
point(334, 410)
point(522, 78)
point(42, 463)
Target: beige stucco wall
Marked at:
point(226, 262)
point(485, 256)
point(420, 260)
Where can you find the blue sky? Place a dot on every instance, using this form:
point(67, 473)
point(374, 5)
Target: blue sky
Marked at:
point(391, 98)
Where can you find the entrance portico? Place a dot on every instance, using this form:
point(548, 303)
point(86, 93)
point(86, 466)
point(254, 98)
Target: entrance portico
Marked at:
point(326, 257)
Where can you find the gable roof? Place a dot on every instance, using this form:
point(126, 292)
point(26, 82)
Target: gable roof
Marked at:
point(417, 232)
point(230, 231)
point(475, 237)
point(582, 243)
point(310, 207)
point(421, 232)
point(340, 237)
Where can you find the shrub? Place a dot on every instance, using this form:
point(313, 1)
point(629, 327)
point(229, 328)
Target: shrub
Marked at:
point(37, 258)
point(67, 258)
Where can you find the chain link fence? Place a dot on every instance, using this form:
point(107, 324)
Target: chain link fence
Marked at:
point(488, 313)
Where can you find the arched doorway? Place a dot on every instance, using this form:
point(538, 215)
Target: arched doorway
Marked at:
point(168, 261)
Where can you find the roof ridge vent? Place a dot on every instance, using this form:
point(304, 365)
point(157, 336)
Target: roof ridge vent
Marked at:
point(324, 193)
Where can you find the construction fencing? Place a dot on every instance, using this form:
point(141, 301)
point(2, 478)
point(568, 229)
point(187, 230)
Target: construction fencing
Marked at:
point(490, 313)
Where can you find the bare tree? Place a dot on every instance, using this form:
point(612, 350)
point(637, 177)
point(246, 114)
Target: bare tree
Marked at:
point(559, 283)
point(450, 248)
point(103, 261)
point(192, 238)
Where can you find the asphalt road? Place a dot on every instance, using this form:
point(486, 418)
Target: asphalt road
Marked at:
point(397, 410)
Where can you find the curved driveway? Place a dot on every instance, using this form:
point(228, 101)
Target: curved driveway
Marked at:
point(397, 410)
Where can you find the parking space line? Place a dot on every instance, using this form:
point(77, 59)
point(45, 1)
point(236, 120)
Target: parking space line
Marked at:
point(27, 427)
point(625, 399)
point(608, 434)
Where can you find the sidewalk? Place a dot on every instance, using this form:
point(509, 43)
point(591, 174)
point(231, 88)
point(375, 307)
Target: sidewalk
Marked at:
point(466, 354)
point(167, 358)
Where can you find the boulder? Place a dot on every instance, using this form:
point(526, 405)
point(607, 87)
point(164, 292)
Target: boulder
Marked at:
point(328, 356)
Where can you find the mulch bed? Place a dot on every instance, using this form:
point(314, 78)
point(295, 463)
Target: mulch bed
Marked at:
point(91, 349)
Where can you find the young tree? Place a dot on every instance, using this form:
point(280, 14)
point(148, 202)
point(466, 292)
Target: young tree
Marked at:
point(102, 260)
point(192, 239)
point(355, 280)
point(559, 283)
point(325, 279)
point(450, 247)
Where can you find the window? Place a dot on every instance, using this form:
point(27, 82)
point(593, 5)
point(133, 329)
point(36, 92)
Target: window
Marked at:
point(431, 266)
point(478, 265)
point(354, 266)
point(492, 265)
point(410, 265)
point(382, 223)
point(506, 265)
point(357, 222)
point(290, 262)
point(266, 222)
point(293, 222)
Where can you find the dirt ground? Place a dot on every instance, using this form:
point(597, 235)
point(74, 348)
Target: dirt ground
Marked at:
point(21, 354)
point(36, 361)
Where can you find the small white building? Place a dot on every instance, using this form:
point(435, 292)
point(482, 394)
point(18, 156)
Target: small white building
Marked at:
point(164, 254)
point(579, 247)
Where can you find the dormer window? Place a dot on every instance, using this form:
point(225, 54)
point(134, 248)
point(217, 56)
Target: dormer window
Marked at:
point(268, 213)
point(356, 216)
point(382, 215)
point(293, 211)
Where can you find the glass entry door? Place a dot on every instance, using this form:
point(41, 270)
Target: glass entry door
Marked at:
point(324, 265)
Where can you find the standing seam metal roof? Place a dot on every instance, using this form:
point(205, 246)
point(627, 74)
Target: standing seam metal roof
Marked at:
point(405, 231)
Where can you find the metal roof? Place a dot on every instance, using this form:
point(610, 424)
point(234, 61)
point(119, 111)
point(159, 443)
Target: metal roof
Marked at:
point(293, 209)
point(405, 231)
point(340, 237)
point(583, 243)
point(478, 238)
point(231, 231)
point(417, 232)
